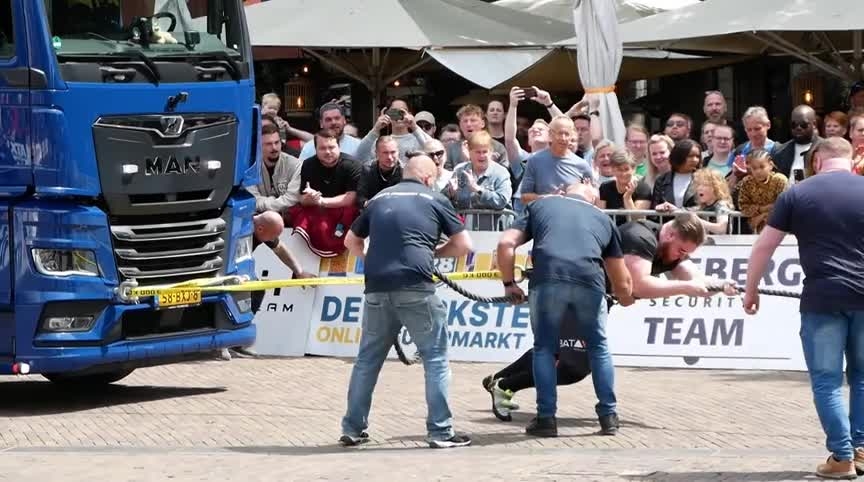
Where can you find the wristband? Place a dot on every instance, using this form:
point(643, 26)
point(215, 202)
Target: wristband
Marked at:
point(508, 284)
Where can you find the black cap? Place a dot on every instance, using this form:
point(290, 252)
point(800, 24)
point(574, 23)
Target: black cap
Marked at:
point(856, 87)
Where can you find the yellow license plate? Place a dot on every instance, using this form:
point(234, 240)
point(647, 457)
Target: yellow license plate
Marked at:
point(179, 297)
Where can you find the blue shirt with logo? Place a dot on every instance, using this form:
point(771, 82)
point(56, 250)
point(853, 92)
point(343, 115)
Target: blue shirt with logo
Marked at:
point(404, 224)
point(571, 238)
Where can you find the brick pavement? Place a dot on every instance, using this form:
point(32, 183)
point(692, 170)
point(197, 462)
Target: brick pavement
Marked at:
point(278, 419)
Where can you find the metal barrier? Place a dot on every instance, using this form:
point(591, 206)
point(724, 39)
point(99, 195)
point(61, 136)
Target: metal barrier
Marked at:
point(737, 222)
point(501, 219)
point(487, 219)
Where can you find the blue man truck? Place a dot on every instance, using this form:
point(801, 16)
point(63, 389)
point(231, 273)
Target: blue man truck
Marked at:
point(128, 131)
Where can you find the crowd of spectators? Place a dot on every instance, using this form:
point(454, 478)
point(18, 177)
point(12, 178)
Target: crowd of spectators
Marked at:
point(496, 161)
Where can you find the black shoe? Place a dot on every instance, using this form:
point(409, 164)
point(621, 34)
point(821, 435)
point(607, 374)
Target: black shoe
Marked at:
point(351, 440)
point(542, 427)
point(457, 440)
point(609, 424)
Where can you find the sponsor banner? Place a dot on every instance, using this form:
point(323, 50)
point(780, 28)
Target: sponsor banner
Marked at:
point(477, 331)
point(669, 332)
point(715, 332)
point(283, 319)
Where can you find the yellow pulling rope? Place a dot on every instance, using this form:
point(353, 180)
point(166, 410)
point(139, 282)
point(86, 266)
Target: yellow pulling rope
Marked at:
point(201, 286)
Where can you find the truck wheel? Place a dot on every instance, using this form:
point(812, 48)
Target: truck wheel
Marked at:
point(94, 379)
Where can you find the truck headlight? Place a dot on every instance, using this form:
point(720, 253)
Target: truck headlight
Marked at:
point(65, 262)
point(243, 250)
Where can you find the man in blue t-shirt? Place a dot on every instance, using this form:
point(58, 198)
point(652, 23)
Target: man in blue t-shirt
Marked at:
point(404, 224)
point(573, 242)
point(551, 170)
point(824, 213)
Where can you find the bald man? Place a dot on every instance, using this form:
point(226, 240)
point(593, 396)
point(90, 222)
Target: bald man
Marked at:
point(791, 158)
point(404, 224)
point(575, 247)
point(268, 226)
point(824, 215)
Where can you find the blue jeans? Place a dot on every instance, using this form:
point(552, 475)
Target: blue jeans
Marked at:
point(549, 302)
point(825, 337)
point(424, 315)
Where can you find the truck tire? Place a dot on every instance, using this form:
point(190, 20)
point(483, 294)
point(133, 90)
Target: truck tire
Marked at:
point(94, 379)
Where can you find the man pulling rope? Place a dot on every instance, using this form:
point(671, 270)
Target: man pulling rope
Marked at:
point(649, 250)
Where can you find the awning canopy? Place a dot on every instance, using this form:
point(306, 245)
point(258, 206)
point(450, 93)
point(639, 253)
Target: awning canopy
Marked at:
point(411, 24)
point(805, 29)
point(626, 10)
point(558, 72)
point(556, 68)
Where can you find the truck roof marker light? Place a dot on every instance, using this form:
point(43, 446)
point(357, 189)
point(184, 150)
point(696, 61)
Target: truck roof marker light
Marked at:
point(129, 169)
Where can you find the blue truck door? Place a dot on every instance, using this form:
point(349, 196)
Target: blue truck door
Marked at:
point(16, 80)
point(16, 173)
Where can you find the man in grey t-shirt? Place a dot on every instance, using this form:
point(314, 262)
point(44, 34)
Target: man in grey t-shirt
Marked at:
point(551, 170)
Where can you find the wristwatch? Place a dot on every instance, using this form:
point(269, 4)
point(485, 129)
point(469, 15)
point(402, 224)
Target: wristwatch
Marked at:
point(508, 284)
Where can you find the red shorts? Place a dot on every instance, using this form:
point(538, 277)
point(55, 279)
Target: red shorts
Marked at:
point(317, 226)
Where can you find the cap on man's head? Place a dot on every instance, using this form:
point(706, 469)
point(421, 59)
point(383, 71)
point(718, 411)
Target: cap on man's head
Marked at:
point(856, 87)
point(424, 116)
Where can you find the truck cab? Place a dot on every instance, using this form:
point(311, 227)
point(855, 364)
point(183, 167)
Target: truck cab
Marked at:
point(128, 132)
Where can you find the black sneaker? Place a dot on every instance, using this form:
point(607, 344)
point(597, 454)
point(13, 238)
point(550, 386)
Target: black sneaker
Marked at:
point(609, 424)
point(352, 441)
point(457, 440)
point(542, 427)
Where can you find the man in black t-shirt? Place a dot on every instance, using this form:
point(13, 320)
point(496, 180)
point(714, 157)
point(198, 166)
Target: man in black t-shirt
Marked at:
point(652, 249)
point(572, 365)
point(328, 195)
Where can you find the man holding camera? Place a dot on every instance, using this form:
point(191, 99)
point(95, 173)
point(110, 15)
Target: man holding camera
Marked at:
point(396, 119)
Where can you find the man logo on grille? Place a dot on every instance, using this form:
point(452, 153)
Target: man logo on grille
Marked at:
point(172, 125)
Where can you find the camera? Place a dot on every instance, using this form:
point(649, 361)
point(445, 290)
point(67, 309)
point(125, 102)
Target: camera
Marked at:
point(395, 114)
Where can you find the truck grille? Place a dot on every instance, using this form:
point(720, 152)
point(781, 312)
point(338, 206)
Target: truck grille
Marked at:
point(170, 252)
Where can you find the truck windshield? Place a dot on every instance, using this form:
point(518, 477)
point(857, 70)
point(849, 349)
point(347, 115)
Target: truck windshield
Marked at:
point(155, 28)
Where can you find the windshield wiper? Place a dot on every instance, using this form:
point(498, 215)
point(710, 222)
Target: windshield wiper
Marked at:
point(150, 69)
point(233, 68)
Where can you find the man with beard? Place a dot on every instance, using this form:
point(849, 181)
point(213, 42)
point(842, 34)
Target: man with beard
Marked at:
point(280, 175)
point(333, 120)
point(791, 158)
